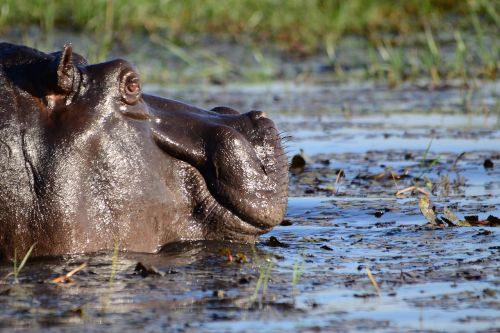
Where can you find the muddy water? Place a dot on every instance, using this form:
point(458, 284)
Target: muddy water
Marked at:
point(311, 273)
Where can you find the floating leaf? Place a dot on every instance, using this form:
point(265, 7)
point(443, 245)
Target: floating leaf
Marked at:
point(448, 214)
point(448, 222)
point(425, 207)
point(463, 223)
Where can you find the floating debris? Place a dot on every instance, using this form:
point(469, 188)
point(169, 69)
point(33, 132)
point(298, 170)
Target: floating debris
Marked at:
point(297, 164)
point(274, 242)
point(326, 247)
point(244, 280)
point(386, 175)
point(372, 280)
point(413, 188)
point(147, 270)
point(488, 164)
point(468, 221)
point(493, 220)
point(218, 293)
point(239, 258)
point(66, 278)
point(427, 210)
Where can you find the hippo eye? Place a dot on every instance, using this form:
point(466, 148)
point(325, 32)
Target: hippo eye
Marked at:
point(131, 88)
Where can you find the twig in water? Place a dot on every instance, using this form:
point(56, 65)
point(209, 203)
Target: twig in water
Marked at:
point(67, 277)
point(372, 280)
point(340, 174)
point(413, 188)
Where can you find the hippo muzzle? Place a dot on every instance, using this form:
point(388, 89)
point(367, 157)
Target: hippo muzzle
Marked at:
point(239, 157)
point(90, 161)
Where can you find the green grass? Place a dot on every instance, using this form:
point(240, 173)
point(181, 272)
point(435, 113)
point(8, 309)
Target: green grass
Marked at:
point(299, 27)
point(114, 263)
point(265, 266)
point(18, 267)
point(298, 269)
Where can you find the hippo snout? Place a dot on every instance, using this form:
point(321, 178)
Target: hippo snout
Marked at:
point(239, 156)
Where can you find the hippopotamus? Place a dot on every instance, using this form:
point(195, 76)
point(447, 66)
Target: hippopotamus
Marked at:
point(90, 162)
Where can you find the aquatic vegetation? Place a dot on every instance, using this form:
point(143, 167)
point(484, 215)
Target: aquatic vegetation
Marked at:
point(114, 263)
point(450, 219)
point(432, 60)
point(405, 40)
point(17, 268)
point(424, 203)
point(265, 266)
point(298, 269)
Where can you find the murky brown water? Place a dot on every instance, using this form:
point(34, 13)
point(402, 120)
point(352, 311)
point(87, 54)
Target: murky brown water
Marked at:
point(313, 277)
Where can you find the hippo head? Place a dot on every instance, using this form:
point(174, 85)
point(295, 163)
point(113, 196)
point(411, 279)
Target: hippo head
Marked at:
point(89, 161)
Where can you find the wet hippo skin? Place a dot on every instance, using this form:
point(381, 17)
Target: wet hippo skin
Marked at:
point(87, 161)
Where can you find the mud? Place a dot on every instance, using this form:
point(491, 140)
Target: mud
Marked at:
point(311, 274)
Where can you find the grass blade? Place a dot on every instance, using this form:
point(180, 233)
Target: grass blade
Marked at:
point(23, 262)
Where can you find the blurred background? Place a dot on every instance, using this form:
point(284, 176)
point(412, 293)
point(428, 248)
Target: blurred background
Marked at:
point(218, 42)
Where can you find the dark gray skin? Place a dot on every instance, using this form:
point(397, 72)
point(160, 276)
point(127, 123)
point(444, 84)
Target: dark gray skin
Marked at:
point(88, 161)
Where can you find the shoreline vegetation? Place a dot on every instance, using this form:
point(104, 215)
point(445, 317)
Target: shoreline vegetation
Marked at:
point(395, 41)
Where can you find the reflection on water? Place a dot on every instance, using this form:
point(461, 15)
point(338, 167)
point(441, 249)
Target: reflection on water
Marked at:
point(395, 131)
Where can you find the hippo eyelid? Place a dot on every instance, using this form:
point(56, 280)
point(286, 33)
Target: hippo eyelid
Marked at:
point(130, 88)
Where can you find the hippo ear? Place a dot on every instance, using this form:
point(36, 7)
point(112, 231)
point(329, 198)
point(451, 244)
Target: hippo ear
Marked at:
point(66, 69)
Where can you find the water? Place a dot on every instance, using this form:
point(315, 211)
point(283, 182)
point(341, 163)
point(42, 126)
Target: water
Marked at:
point(430, 279)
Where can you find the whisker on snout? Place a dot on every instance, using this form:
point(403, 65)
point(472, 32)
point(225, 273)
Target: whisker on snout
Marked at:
point(284, 139)
point(281, 155)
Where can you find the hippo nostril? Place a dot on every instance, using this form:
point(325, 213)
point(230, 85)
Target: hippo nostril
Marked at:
point(254, 115)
